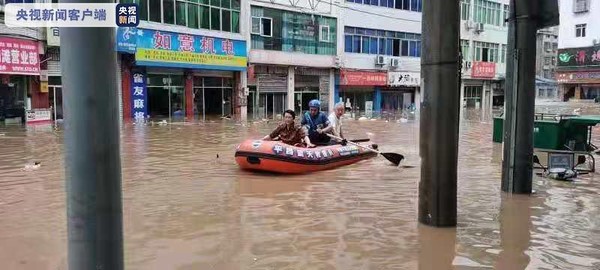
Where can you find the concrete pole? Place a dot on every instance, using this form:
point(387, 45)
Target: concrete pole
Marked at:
point(440, 113)
point(517, 165)
point(92, 159)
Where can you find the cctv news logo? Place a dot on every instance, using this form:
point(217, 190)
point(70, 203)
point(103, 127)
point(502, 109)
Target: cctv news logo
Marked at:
point(71, 15)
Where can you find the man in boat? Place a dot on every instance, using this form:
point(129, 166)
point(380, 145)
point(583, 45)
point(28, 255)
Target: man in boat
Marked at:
point(335, 123)
point(289, 132)
point(315, 122)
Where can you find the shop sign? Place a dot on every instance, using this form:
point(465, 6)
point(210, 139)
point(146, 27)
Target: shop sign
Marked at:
point(38, 116)
point(53, 36)
point(579, 77)
point(359, 78)
point(168, 49)
point(19, 56)
point(298, 153)
point(579, 57)
point(404, 79)
point(483, 70)
point(126, 39)
point(139, 99)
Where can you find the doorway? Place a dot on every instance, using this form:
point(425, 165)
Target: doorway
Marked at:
point(213, 97)
point(166, 97)
point(272, 105)
point(303, 96)
point(56, 99)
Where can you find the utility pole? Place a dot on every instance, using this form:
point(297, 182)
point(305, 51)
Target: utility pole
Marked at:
point(440, 66)
point(526, 17)
point(92, 159)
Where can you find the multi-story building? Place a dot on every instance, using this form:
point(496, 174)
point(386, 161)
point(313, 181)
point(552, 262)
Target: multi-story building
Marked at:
point(186, 59)
point(483, 41)
point(578, 71)
point(546, 48)
point(293, 54)
point(22, 91)
point(380, 65)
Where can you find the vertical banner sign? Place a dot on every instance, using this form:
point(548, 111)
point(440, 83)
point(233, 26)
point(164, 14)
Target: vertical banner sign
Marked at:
point(139, 98)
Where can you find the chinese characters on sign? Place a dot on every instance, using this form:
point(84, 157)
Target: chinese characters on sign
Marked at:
point(19, 56)
point(302, 154)
point(168, 49)
point(578, 77)
point(138, 96)
point(573, 57)
point(348, 77)
point(127, 15)
point(404, 79)
point(64, 14)
point(483, 70)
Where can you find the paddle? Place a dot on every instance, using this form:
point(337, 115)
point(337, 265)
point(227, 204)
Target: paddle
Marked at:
point(356, 141)
point(392, 157)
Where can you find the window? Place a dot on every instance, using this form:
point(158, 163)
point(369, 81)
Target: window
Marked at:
point(506, 14)
point(324, 33)
point(222, 15)
point(464, 47)
point(372, 41)
point(580, 30)
point(487, 12)
point(548, 46)
point(288, 31)
point(581, 6)
point(485, 52)
point(465, 9)
point(262, 26)
point(410, 5)
point(547, 61)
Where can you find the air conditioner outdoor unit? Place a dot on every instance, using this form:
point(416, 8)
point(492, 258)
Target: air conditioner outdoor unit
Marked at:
point(479, 28)
point(380, 60)
point(596, 41)
point(395, 62)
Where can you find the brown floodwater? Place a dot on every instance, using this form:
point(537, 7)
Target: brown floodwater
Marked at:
point(184, 208)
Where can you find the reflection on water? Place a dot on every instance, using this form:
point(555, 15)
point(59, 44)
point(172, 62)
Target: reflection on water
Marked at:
point(184, 208)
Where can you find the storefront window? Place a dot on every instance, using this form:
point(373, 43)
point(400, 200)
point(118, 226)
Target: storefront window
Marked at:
point(213, 97)
point(166, 96)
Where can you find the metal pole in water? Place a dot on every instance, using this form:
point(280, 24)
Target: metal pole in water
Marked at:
point(92, 159)
point(440, 67)
point(517, 165)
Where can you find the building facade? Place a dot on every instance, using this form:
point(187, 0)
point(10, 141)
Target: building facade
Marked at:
point(293, 55)
point(185, 60)
point(23, 91)
point(545, 68)
point(379, 71)
point(578, 71)
point(484, 49)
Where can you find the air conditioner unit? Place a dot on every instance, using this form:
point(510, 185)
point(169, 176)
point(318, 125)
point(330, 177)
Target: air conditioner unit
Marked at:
point(479, 28)
point(596, 41)
point(395, 62)
point(380, 60)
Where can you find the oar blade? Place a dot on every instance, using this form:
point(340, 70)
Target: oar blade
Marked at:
point(393, 157)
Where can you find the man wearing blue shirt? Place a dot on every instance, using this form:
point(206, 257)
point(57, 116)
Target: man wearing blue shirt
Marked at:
point(315, 121)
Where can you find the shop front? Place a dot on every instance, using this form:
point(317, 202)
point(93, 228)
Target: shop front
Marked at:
point(268, 97)
point(361, 92)
point(578, 72)
point(398, 98)
point(477, 93)
point(20, 91)
point(179, 76)
point(579, 84)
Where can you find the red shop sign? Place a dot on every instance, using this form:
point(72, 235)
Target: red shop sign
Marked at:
point(349, 77)
point(483, 70)
point(19, 56)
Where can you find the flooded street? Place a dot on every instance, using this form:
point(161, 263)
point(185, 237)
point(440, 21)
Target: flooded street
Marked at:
point(184, 208)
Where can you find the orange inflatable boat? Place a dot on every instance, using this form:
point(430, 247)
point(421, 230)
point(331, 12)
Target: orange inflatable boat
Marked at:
point(275, 156)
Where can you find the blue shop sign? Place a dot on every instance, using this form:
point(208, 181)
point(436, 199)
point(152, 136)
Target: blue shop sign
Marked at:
point(127, 39)
point(139, 97)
